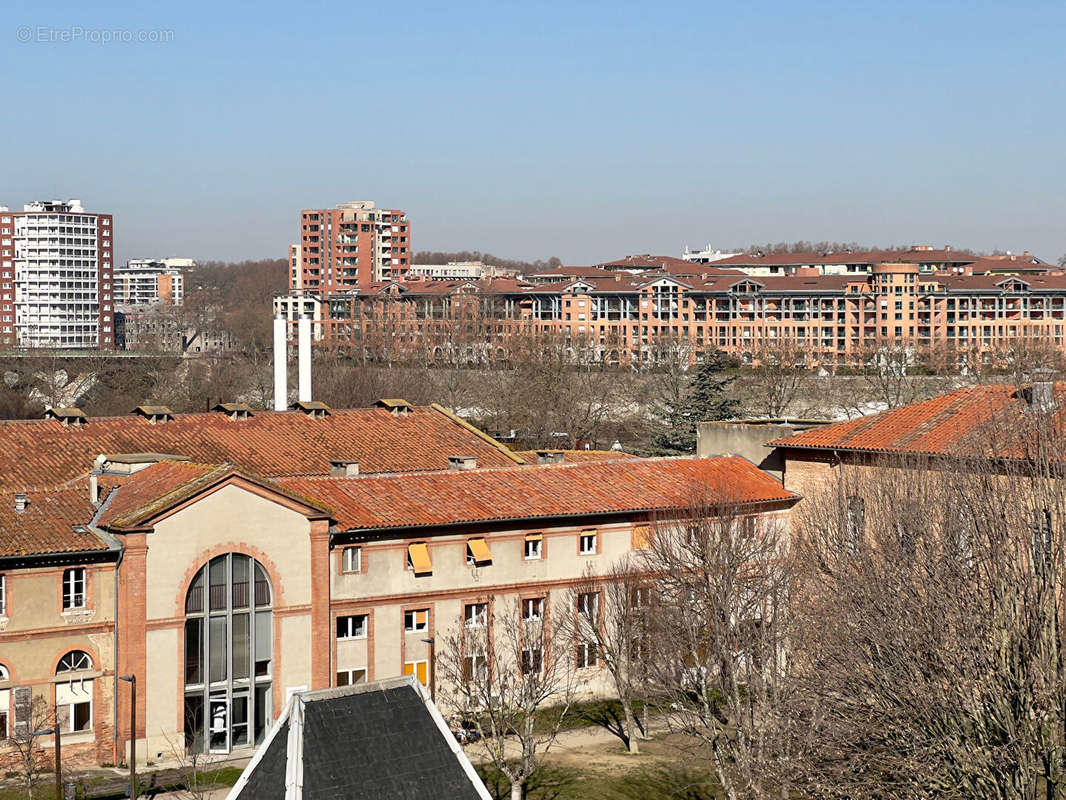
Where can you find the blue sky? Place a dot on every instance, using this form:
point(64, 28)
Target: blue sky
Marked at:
point(583, 130)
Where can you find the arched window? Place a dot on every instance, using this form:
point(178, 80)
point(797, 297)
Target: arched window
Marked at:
point(229, 655)
point(74, 696)
point(74, 661)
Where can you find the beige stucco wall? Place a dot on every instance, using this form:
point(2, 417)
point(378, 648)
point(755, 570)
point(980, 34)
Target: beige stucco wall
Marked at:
point(232, 519)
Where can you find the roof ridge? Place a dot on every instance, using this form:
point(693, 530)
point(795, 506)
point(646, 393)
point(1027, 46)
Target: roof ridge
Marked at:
point(477, 431)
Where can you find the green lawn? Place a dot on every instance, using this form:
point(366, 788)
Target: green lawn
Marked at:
point(642, 782)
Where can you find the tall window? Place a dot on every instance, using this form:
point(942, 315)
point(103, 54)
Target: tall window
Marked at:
point(5, 703)
point(352, 559)
point(73, 588)
point(3, 597)
point(476, 614)
point(1041, 539)
point(229, 651)
point(74, 693)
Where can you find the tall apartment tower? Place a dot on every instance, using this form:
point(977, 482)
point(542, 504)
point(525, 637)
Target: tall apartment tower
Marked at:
point(55, 277)
point(348, 247)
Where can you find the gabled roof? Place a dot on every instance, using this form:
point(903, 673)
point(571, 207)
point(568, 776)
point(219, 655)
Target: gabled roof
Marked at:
point(562, 490)
point(383, 740)
point(951, 424)
point(155, 489)
point(44, 453)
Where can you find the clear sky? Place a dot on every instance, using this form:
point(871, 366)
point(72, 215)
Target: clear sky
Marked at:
point(529, 129)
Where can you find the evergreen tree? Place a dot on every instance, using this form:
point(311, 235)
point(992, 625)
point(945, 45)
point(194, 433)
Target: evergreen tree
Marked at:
point(702, 399)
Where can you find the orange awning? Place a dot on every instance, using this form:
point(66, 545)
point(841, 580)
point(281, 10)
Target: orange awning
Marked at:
point(479, 548)
point(419, 555)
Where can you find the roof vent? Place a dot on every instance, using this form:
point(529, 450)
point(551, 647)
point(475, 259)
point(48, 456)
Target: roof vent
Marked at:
point(549, 457)
point(462, 462)
point(235, 411)
point(71, 417)
point(154, 414)
point(397, 405)
point(1042, 393)
point(341, 468)
point(21, 501)
point(312, 408)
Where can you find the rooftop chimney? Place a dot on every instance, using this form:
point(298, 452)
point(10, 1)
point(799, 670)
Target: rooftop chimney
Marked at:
point(549, 457)
point(462, 462)
point(281, 365)
point(341, 468)
point(304, 358)
point(21, 502)
point(1043, 390)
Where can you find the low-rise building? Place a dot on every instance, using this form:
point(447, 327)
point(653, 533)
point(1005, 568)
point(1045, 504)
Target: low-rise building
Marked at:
point(232, 559)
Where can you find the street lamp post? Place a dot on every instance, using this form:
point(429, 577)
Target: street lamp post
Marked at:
point(58, 736)
point(132, 681)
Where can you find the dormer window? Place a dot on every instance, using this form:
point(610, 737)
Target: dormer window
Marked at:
point(235, 411)
point(154, 414)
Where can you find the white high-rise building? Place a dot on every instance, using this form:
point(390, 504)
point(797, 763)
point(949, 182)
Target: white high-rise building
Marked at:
point(55, 276)
point(146, 281)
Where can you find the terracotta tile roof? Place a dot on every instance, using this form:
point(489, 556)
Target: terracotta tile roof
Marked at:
point(160, 486)
point(578, 456)
point(45, 525)
point(647, 261)
point(951, 424)
point(45, 453)
point(599, 487)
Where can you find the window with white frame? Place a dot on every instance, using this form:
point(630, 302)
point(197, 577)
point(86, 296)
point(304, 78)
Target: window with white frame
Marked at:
point(352, 559)
point(476, 615)
point(533, 547)
point(350, 677)
point(74, 694)
point(588, 604)
point(73, 588)
point(475, 665)
point(588, 543)
point(586, 654)
point(533, 608)
point(416, 620)
point(3, 595)
point(352, 626)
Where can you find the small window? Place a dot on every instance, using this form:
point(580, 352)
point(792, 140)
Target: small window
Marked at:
point(418, 558)
point(350, 677)
point(477, 553)
point(588, 543)
point(416, 621)
point(352, 626)
point(476, 615)
point(475, 666)
point(74, 661)
point(586, 655)
point(532, 660)
point(73, 588)
point(533, 545)
point(533, 608)
point(352, 559)
point(588, 604)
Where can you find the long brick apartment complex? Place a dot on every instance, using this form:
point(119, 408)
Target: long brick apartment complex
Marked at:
point(834, 309)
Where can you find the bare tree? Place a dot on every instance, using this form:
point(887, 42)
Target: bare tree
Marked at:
point(508, 673)
point(930, 620)
point(610, 613)
point(719, 657)
point(25, 752)
point(779, 374)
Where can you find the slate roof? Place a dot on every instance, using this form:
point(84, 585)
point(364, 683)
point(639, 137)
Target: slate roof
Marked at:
point(951, 424)
point(39, 453)
point(383, 740)
point(559, 490)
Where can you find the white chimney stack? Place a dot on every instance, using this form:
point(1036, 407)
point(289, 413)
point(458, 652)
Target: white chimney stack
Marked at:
point(304, 355)
point(281, 365)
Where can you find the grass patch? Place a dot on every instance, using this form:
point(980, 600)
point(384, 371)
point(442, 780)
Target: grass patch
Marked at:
point(644, 782)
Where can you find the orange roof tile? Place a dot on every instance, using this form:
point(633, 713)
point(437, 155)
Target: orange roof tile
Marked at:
point(45, 526)
point(944, 425)
point(42, 453)
point(599, 487)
